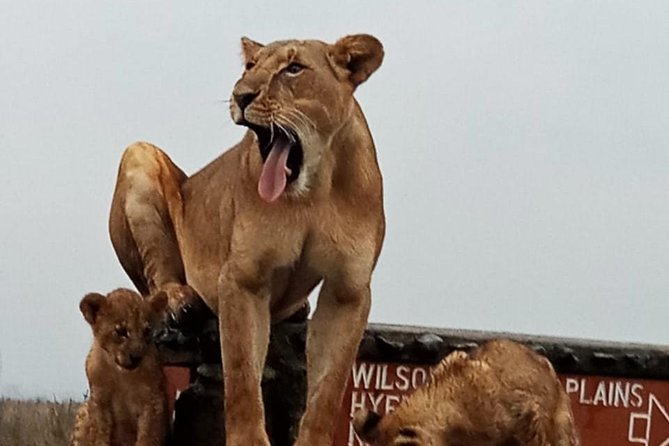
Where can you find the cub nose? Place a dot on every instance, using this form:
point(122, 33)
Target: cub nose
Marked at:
point(135, 360)
point(244, 99)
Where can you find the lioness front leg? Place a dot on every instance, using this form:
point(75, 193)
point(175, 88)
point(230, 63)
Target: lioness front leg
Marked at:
point(332, 345)
point(244, 322)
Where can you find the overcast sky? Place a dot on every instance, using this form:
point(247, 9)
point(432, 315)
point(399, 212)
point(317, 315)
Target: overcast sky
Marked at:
point(525, 150)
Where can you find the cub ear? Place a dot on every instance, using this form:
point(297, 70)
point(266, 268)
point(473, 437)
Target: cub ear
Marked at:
point(158, 302)
point(250, 48)
point(360, 55)
point(90, 306)
point(365, 424)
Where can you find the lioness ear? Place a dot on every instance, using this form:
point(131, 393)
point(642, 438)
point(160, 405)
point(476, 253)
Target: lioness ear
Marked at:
point(158, 302)
point(360, 55)
point(90, 306)
point(250, 48)
point(365, 424)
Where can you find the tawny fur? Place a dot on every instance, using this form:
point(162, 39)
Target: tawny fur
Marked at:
point(127, 404)
point(253, 261)
point(503, 394)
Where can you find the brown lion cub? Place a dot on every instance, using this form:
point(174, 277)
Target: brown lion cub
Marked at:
point(127, 403)
point(502, 394)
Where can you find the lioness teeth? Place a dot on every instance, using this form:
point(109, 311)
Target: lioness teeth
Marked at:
point(288, 171)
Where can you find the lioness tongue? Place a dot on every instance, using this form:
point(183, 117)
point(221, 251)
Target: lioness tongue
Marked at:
point(273, 176)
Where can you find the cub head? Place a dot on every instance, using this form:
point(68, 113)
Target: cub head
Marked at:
point(392, 430)
point(123, 323)
point(295, 95)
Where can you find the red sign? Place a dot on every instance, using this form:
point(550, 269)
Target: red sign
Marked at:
point(608, 411)
point(177, 380)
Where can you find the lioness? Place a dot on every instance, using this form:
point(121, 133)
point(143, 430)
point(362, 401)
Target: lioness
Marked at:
point(503, 394)
point(298, 201)
point(127, 404)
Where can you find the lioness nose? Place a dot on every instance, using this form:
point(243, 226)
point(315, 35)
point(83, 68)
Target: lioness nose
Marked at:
point(244, 99)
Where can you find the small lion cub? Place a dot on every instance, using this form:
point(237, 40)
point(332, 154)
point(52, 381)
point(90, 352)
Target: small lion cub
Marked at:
point(501, 394)
point(127, 403)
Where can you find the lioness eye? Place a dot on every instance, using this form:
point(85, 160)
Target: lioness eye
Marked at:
point(249, 65)
point(121, 332)
point(294, 68)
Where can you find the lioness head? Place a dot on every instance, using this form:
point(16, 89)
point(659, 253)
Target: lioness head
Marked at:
point(123, 323)
point(295, 95)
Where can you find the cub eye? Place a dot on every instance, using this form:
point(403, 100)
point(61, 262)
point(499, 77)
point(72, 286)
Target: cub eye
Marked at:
point(121, 332)
point(408, 432)
point(249, 65)
point(147, 332)
point(294, 68)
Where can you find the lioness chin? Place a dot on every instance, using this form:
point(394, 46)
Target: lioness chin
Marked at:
point(297, 202)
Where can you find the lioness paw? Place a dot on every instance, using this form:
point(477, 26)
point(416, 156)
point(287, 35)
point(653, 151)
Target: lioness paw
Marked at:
point(185, 308)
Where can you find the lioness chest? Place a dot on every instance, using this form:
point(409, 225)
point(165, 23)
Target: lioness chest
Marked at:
point(296, 242)
point(296, 246)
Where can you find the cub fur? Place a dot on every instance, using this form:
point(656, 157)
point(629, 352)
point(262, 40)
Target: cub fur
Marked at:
point(127, 404)
point(502, 394)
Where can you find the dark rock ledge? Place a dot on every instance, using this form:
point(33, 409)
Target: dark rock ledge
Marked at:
point(199, 419)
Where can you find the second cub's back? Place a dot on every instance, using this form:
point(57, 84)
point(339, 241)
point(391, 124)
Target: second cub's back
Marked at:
point(518, 367)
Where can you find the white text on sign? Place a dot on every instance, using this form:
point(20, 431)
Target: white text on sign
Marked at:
point(381, 388)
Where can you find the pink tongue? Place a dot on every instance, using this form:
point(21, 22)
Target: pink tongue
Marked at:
point(273, 177)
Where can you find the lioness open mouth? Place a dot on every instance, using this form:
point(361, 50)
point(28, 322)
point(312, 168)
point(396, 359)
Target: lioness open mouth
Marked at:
point(282, 156)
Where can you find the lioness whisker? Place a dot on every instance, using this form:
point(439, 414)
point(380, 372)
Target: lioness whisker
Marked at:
point(288, 122)
point(285, 122)
point(299, 116)
point(271, 130)
point(302, 115)
point(288, 134)
point(287, 117)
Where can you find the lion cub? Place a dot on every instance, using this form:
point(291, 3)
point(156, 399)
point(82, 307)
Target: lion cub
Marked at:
point(127, 403)
point(502, 394)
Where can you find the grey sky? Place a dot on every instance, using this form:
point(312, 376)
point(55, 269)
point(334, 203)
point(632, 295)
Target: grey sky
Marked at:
point(525, 150)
